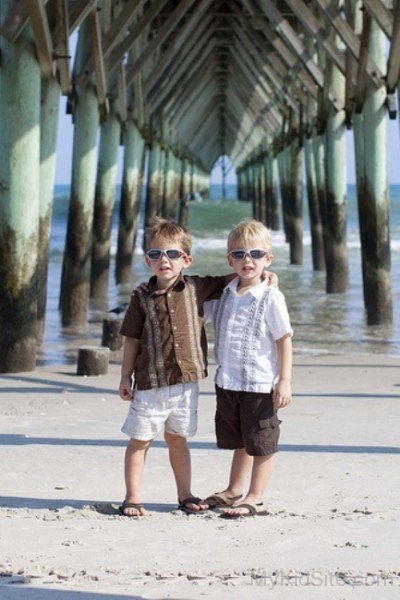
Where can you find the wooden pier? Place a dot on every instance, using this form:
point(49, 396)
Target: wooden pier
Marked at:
point(273, 84)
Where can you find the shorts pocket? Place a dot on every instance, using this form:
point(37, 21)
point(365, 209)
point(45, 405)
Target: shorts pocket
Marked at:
point(271, 423)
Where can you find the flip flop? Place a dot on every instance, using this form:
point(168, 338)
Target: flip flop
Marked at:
point(221, 499)
point(252, 508)
point(182, 505)
point(125, 505)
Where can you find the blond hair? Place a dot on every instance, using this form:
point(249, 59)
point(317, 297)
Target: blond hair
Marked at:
point(168, 229)
point(246, 231)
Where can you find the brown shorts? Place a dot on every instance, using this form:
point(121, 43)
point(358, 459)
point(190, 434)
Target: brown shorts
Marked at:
point(246, 420)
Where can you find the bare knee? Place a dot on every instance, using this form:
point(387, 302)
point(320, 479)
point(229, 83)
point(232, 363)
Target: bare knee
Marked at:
point(175, 441)
point(135, 445)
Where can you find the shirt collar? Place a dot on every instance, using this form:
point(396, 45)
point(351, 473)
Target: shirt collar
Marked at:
point(152, 285)
point(257, 290)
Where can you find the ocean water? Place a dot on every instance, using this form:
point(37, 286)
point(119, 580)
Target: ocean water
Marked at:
point(323, 323)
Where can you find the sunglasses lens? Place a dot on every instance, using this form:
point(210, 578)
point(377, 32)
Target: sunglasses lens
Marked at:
point(154, 254)
point(257, 254)
point(173, 254)
point(238, 254)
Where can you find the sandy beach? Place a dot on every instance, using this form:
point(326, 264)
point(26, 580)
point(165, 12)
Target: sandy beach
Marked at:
point(333, 528)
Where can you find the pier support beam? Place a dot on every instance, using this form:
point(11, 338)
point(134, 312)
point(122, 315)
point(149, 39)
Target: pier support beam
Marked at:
point(295, 203)
point(75, 285)
point(50, 101)
point(337, 269)
point(20, 81)
point(374, 218)
point(184, 192)
point(153, 184)
point(317, 241)
point(131, 192)
point(104, 204)
point(271, 192)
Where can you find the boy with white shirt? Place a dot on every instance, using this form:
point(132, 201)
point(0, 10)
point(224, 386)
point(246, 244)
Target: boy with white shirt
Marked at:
point(253, 352)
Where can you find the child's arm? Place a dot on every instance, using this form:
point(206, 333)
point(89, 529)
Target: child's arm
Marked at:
point(282, 394)
point(131, 347)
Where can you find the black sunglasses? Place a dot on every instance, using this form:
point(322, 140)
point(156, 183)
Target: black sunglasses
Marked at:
point(255, 254)
point(171, 254)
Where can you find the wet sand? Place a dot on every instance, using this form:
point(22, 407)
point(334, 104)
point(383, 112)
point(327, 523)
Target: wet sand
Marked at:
point(332, 530)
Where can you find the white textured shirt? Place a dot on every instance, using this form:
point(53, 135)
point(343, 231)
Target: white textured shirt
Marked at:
point(246, 327)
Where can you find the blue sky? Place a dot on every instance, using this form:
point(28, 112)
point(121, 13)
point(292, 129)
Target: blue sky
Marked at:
point(65, 137)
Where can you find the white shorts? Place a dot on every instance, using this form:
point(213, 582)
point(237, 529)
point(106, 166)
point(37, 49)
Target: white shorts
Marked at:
point(173, 407)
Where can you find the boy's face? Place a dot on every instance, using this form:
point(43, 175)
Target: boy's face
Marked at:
point(166, 268)
point(250, 263)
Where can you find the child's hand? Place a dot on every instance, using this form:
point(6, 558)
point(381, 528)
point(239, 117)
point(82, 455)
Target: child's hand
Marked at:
point(270, 278)
point(282, 394)
point(125, 388)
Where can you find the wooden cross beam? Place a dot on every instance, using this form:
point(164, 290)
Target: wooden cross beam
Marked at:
point(344, 31)
point(16, 20)
point(381, 14)
point(61, 49)
point(78, 12)
point(393, 69)
point(41, 33)
point(99, 69)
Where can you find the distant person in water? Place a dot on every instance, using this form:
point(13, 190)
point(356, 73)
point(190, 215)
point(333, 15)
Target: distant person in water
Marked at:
point(253, 352)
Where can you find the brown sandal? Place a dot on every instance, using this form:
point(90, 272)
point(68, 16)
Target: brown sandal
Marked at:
point(125, 505)
point(221, 499)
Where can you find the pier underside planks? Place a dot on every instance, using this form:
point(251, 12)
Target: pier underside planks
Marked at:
point(271, 84)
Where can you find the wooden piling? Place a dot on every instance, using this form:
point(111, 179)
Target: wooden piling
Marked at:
point(153, 184)
point(337, 270)
point(295, 203)
point(110, 133)
point(271, 191)
point(131, 192)
point(183, 216)
point(374, 218)
point(317, 241)
point(75, 284)
point(171, 197)
point(20, 81)
point(50, 102)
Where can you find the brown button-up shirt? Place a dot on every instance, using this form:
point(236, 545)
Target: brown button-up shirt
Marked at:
point(170, 327)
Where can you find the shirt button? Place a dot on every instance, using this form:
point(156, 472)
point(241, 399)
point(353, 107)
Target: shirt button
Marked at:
point(172, 310)
point(176, 345)
point(169, 295)
point(175, 327)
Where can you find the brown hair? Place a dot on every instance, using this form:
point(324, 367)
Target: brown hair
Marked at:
point(246, 230)
point(169, 230)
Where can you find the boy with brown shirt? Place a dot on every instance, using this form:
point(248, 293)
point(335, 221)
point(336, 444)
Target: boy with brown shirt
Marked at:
point(165, 351)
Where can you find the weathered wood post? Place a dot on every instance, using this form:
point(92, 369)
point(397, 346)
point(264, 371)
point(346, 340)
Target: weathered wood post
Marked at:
point(153, 184)
point(183, 217)
point(271, 191)
point(374, 219)
point(131, 191)
point(283, 162)
point(19, 198)
point(50, 101)
point(75, 284)
point(110, 133)
point(263, 190)
point(337, 270)
point(317, 241)
point(170, 186)
point(295, 201)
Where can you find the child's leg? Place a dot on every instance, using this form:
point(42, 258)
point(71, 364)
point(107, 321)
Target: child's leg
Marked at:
point(134, 464)
point(260, 476)
point(240, 467)
point(179, 457)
